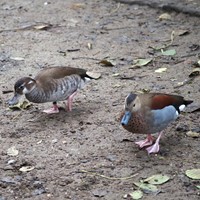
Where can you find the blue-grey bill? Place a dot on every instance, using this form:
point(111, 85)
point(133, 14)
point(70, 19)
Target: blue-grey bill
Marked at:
point(14, 100)
point(126, 118)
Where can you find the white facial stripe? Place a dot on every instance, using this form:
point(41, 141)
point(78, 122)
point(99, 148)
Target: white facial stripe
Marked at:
point(25, 91)
point(181, 107)
point(30, 82)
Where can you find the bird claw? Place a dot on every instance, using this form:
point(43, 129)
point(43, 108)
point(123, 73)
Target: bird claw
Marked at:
point(153, 149)
point(144, 143)
point(52, 110)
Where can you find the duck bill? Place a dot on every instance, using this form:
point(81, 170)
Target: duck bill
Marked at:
point(126, 118)
point(14, 100)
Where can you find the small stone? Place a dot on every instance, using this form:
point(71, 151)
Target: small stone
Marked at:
point(99, 193)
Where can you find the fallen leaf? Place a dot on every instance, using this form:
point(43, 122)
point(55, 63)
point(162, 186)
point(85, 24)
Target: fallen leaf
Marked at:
point(181, 32)
point(165, 16)
point(193, 134)
point(94, 75)
point(89, 45)
point(115, 75)
point(12, 151)
point(170, 52)
point(77, 6)
point(26, 169)
point(42, 26)
point(17, 58)
point(195, 72)
point(137, 194)
point(141, 62)
point(193, 173)
point(157, 179)
point(106, 63)
point(198, 186)
point(149, 188)
point(21, 106)
point(160, 70)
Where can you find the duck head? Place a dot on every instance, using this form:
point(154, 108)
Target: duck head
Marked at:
point(132, 104)
point(22, 86)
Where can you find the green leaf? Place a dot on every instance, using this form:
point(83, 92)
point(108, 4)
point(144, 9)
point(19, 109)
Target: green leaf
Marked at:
point(137, 194)
point(170, 52)
point(146, 187)
point(142, 62)
point(193, 173)
point(157, 179)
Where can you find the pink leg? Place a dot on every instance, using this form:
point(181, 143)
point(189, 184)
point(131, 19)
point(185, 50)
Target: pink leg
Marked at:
point(155, 147)
point(148, 141)
point(52, 110)
point(69, 101)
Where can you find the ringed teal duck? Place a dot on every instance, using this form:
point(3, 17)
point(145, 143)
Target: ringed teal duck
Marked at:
point(151, 113)
point(51, 85)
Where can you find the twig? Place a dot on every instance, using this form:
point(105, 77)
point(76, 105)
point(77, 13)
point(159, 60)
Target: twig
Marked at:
point(110, 178)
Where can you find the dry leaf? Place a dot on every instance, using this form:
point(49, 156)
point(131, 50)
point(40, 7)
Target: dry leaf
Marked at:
point(26, 169)
point(12, 151)
point(160, 70)
point(181, 32)
point(106, 63)
point(94, 75)
point(142, 62)
point(137, 194)
point(193, 134)
point(21, 106)
point(195, 72)
point(170, 52)
point(89, 45)
point(146, 187)
point(165, 16)
point(17, 58)
point(44, 26)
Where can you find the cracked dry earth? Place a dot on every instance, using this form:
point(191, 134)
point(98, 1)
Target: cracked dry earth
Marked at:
point(65, 148)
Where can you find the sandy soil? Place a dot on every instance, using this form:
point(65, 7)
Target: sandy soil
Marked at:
point(61, 146)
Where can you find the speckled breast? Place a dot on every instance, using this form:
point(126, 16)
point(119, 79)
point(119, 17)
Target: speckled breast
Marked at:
point(137, 124)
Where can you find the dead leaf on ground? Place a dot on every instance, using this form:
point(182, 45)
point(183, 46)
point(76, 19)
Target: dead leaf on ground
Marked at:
point(161, 70)
point(141, 62)
point(181, 32)
point(193, 134)
point(106, 63)
point(195, 72)
point(21, 106)
point(76, 6)
point(42, 26)
point(147, 188)
point(26, 169)
point(137, 194)
point(170, 52)
point(165, 16)
point(12, 151)
point(17, 58)
point(94, 75)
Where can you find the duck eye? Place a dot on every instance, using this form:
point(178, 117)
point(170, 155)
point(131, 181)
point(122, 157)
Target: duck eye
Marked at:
point(133, 105)
point(21, 87)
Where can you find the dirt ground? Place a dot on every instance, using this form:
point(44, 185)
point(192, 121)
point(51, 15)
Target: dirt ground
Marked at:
point(70, 151)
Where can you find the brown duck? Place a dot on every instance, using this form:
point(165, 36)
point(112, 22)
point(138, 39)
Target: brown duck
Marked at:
point(151, 113)
point(51, 85)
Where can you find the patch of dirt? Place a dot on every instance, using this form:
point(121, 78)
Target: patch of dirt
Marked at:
point(65, 148)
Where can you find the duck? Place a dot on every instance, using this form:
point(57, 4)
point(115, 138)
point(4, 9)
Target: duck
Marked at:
point(151, 113)
point(52, 84)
